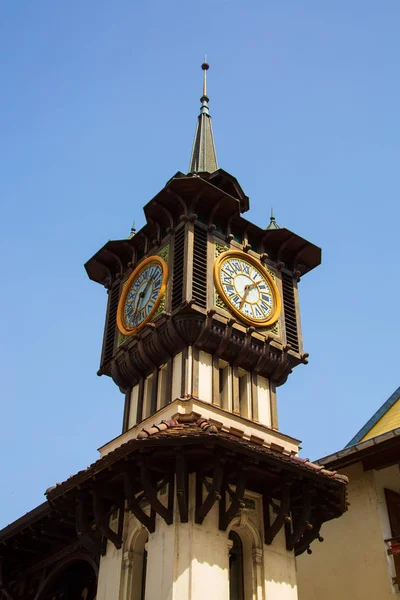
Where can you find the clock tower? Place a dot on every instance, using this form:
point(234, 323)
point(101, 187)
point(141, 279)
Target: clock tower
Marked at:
point(201, 493)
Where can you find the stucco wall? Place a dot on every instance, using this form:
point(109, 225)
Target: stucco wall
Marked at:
point(352, 562)
point(189, 561)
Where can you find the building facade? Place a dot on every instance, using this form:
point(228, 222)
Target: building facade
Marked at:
point(201, 493)
point(360, 559)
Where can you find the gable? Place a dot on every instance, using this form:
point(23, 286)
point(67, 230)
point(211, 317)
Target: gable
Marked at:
point(386, 418)
point(390, 420)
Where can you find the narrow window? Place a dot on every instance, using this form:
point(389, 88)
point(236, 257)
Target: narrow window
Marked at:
point(162, 398)
point(245, 394)
point(144, 569)
point(236, 587)
point(148, 390)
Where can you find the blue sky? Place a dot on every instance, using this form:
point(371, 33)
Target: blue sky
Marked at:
point(98, 110)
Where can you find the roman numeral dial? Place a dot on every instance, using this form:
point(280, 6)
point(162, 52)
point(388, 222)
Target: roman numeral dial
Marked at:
point(142, 295)
point(247, 288)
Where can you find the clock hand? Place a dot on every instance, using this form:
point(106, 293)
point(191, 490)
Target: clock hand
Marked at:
point(250, 287)
point(137, 306)
point(246, 292)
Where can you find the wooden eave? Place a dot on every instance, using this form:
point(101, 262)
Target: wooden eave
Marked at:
point(35, 515)
point(293, 250)
point(199, 447)
point(375, 453)
point(35, 537)
point(183, 195)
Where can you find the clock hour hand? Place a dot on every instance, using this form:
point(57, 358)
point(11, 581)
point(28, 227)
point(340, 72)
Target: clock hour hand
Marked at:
point(246, 292)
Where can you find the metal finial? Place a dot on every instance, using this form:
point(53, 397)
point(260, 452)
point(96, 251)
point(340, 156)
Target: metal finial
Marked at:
point(133, 230)
point(205, 66)
point(272, 222)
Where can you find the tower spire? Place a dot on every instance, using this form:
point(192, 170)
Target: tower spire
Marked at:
point(272, 222)
point(204, 157)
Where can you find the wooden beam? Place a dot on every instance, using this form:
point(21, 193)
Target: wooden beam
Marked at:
point(151, 493)
point(102, 518)
point(303, 521)
point(226, 516)
point(309, 536)
point(214, 492)
point(283, 513)
point(182, 487)
point(134, 507)
point(87, 537)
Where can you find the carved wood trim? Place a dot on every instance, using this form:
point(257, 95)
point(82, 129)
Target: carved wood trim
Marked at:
point(87, 537)
point(309, 536)
point(134, 506)
point(302, 523)
point(151, 493)
point(214, 491)
point(237, 496)
point(283, 513)
point(102, 518)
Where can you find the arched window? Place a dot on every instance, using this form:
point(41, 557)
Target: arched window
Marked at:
point(236, 587)
point(245, 559)
point(136, 564)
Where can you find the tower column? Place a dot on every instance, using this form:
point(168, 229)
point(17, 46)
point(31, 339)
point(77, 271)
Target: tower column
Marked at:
point(186, 560)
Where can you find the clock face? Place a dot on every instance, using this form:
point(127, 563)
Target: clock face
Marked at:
point(247, 288)
point(142, 295)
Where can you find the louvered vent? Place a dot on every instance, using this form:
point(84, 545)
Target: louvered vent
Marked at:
point(199, 283)
point(178, 268)
point(289, 307)
point(108, 347)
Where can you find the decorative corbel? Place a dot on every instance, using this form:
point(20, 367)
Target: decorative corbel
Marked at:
point(283, 514)
point(243, 352)
point(102, 518)
point(237, 499)
point(150, 491)
point(90, 539)
point(133, 505)
point(214, 491)
point(302, 523)
point(227, 337)
point(309, 536)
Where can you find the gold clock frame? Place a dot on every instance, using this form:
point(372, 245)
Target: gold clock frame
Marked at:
point(122, 301)
point(257, 264)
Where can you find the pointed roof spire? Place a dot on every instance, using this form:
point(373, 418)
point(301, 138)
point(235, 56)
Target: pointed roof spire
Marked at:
point(204, 157)
point(272, 223)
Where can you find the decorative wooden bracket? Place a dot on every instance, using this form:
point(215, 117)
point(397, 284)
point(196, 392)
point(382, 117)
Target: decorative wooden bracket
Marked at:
point(4, 589)
point(134, 505)
point(102, 518)
point(87, 537)
point(214, 491)
point(182, 489)
point(302, 523)
point(226, 516)
point(309, 536)
point(151, 490)
point(272, 530)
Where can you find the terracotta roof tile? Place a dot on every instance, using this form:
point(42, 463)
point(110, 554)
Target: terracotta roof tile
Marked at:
point(201, 428)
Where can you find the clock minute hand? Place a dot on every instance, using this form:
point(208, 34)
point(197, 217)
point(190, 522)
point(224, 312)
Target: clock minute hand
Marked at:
point(253, 285)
